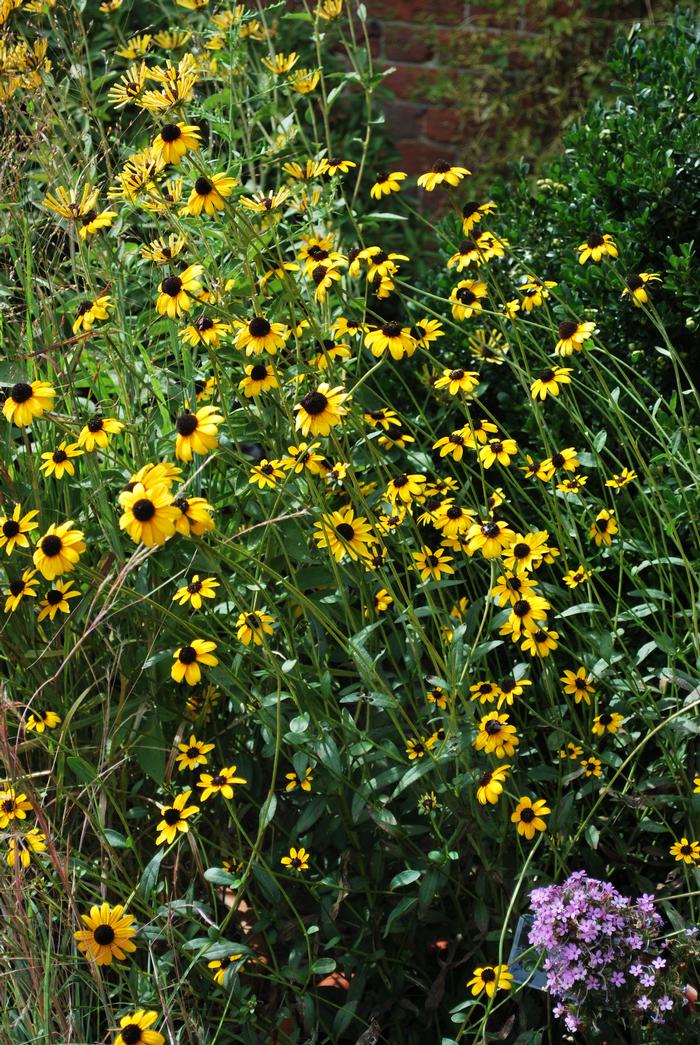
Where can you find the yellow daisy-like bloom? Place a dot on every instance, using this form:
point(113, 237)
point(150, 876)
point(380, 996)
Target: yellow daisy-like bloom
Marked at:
point(466, 298)
point(175, 818)
point(14, 529)
point(490, 785)
point(39, 721)
point(580, 575)
point(208, 195)
point(344, 533)
point(220, 966)
point(624, 478)
point(297, 859)
point(21, 847)
point(596, 247)
point(258, 378)
point(484, 692)
point(528, 816)
point(572, 751)
point(194, 516)
point(149, 515)
point(128, 88)
point(220, 783)
point(20, 588)
point(162, 251)
point(526, 615)
point(636, 286)
point(473, 212)
point(266, 474)
point(321, 410)
point(490, 978)
point(496, 735)
point(174, 140)
point(526, 551)
point(432, 564)
point(198, 588)
point(303, 456)
point(426, 331)
point(324, 276)
point(578, 684)
point(259, 335)
point(294, 781)
point(253, 627)
point(281, 63)
point(26, 401)
point(572, 336)
point(685, 851)
point(386, 183)
point(534, 291)
point(205, 331)
point(135, 1029)
point(540, 643)
point(607, 722)
point(511, 588)
point(335, 165)
point(59, 462)
point(193, 754)
point(403, 489)
point(188, 659)
point(498, 451)
point(96, 432)
point(549, 381)
point(108, 934)
point(89, 312)
point(162, 474)
point(451, 519)
point(391, 338)
point(13, 806)
point(197, 433)
point(175, 292)
point(452, 444)
point(591, 766)
point(304, 81)
point(442, 173)
point(603, 528)
point(56, 600)
point(490, 537)
point(458, 380)
point(59, 550)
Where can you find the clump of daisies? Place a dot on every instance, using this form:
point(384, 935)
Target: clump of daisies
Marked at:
point(607, 956)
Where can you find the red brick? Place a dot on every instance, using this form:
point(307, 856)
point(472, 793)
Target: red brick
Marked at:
point(407, 43)
point(410, 81)
point(404, 119)
point(443, 125)
point(419, 157)
point(446, 12)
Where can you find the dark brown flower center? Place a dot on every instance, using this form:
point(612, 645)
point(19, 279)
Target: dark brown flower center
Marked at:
point(104, 935)
point(131, 1034)
point(441, 167)
point(314, 403)
point(171, 817)
point(51, 545)
point(10, 528)
point(492, 727)
point(95, 424)
point(171, 132)
point(171, 285)
point(21, 392)
point(143, 510)
point(187, 655)
point(567, 330)
point(527, 815)
point(345, 531)
point(54, 597)
point(392, 329)
point(203, 187)
point(186, 423)
point(258, 327)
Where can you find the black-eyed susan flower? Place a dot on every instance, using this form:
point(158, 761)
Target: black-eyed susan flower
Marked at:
point(391, 338)
point(162, 251)
point(526, 615)
point(304, 80)
point(496, 735)
point(294, 780)
point(266, 474)
point(320, 410)
point(549, 382)
point(208, 194)
point(174, 818)
point(59, 462)
point(490, 785)
point(108, 934)
point(596, 247)
point(528, 816)
point(438, 697)
point(221, 783)
point(96, 431)
point(591, 766)
point(258, 378)
point(343, 327)
point(404, 488)
point(578, 684)
point(259, 335)
point(603, 528)
point(175, 292)
point(498, 451)
point(386, 182)
point(607, 722)
point(525, 551)
point(134, 1029)
point(253, 627)
point(466, 298)
point(427, 802)
point(622, 479)
point(571, 751)
point(473, 212)
point(534, 292)
point(297, 859)
point(636, 286)
point(330, 352)
point(484, 692)
point(303, 456)
point(39, 721)
point(510, 688)
point(510, 588)
point(572, 336)
point(21, 848)
point(324, 275)
point(197, 433)
point(148, 514)
point(452, 519)
point(490, 978)
point(129, 86)
point(564, 460)
point(174, 140)
point(56, 600)
point(205, 331)
point(344, 533)
point(187, 661)
point(194, 516)
point(59, 550)
point(573, 578)
point(193, 754)
point(197, 589)
point(26, 401)
point(381, 601)
point(432, 563)
point(685, 851)
point(220, 966)
point(14, 529)
point(21, 587)
point(452, 445)
point(89, 312)
point(418, 747)
point(336, 165)
point(490, 537)
point(426, 331)
point(442, 173)
point(540, 643)
point(13, 806)
point(458, 380)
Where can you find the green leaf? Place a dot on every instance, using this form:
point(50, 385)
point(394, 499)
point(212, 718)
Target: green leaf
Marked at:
point(149, 877)
point(404, 878)
point(402, 907)
point(322, 966)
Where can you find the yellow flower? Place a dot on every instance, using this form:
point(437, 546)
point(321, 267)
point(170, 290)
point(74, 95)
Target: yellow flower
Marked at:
point(528, 816)
point(108, 934)
point(15, 527)
point(296, 860)
point(21, 847)
point(208, 195)
point(90, 311)
point(320, 410)
point(386, 183)
point(572, 578)
point(193, 754)
point(344, 533)
point(174, 297)
point(572, 336)
point(139, 1023)
point(197, 589)
point(13, 806)
point(498, 451)
point(441, 173)
point(490, 978)
point(197, 433)
point(220, 783)
point(304, 81)
point(96, 432)
point(607, 722)
point(432, 564)
point(466, 298)
point(578, 684)
point(685, 851)
point(281, 63)
point(188, 658)
point(496, 735)
point(59, 550)
point(490, 786)
point(636, 286)
point(294, 781)
point(174, 140)
point(174, 818)
point(596, 247)
point(253, 627)
point(258, 335)
point(458, 380)
point(220, 966)
point(59, 462)
point(26, 401)
point(38, 721)
point(603, 528)
point(148, 514)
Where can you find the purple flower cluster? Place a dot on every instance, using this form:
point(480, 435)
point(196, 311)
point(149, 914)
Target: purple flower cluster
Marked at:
point(604, 953)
